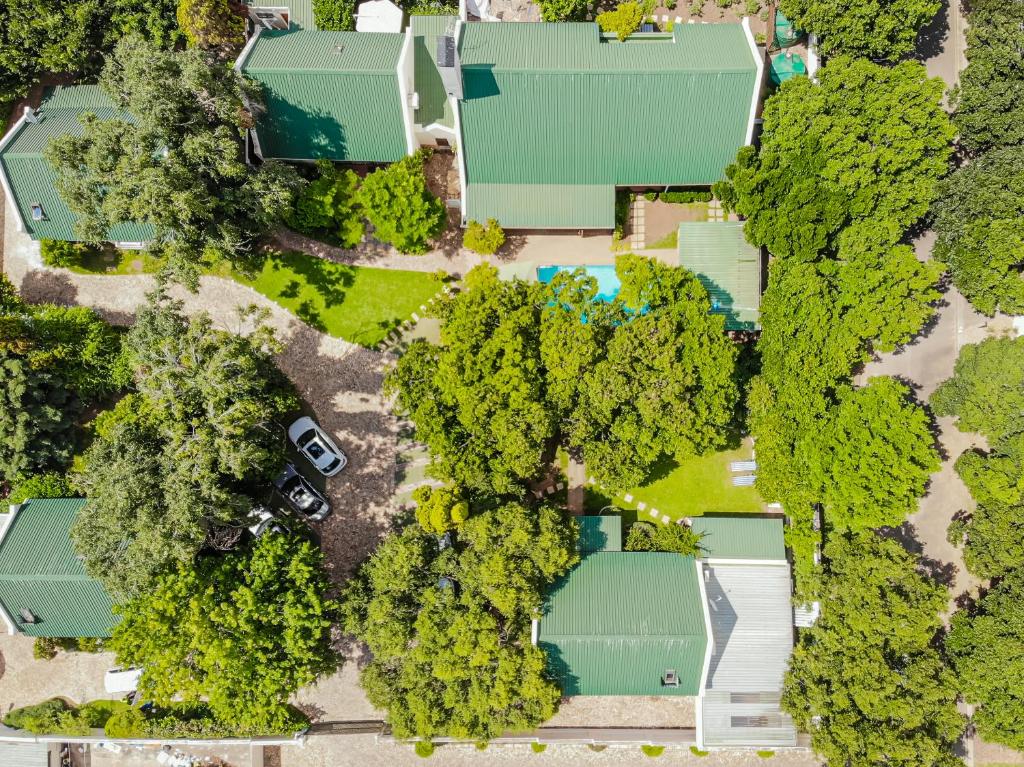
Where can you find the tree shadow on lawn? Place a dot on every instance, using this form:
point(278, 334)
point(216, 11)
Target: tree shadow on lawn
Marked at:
point(328, 278)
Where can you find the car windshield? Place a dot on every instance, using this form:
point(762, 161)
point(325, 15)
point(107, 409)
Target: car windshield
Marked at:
point(306, 436)
point(333, 465)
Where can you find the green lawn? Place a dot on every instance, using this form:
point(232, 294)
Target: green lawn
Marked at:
point(359, 304)
point(696, 486)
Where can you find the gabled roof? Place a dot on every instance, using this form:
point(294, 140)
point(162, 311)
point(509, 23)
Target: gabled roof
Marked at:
point(727, 266)
point(40, 572)
point(32, 180)
point(617, 621)
point(740, 537)
point(332, 95)
point(559, 105)
point(434, 105)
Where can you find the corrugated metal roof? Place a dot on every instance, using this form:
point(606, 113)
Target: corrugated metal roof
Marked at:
point(618, 621)
point(300, 12)
point(600, 534)
point(40, 571)
point(728, 267)
point(751, 622)
point(326, 104)
point(24, 754)
point(542, 206)
point(434, 104)
point(33, 180)
point(554, 104)
point(740, 537)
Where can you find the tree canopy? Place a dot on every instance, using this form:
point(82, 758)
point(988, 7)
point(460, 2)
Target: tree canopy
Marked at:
point(242, 631)
point(174, 461)
point(874, 29)
point(396, 200)
point(866, 680)
point(978, 219)
point(449, 626)
point(648, 375)
point(866, 146)
point(989, 101)
point(174, 159)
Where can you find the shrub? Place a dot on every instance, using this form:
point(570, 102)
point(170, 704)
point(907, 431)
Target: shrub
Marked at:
point(49, 485)
point(64, 255)
point(89, 644)
point(671, 5)
point(679, 539)
point(51, 717)
point(752, 7)
point(696, 7)
point(211, 25)
point(44, 648)
point(623, 200)
point(401, 208)
point(652, 751)
point(766, 754)
point(697, 752)
point(484, 239)
point(623, 21)
point(539, 748)
point(126, 723)
point(683, 196)
point(440, 509)
point(329, 205)
point(335, 15)
point(424, 749)
point(563, 10)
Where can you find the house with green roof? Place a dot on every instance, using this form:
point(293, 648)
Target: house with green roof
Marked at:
point(29, 181)
point(728, 267)
point(44, 589)
point(717, 627)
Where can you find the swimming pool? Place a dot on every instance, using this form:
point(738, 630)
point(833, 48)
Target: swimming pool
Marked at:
point(607, 280)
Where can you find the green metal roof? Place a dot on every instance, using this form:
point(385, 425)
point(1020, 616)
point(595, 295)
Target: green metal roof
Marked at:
point(740, 537)
point(543, 206)
point(600, 534)
point(41, 572)
point(331, 95)
point(617, 621)
point(728, 266)
point(558, 105)
point(435, 106)
point(300, 12)
point(33, 180)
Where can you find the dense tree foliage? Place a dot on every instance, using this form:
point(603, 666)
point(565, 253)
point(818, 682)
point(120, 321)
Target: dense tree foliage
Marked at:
point(177, 163)
point(648, 375)
point(440, 509)
point(979, 220)
point(987, 648)
point(396, 200)
point(677, 539)
point(334, 15)
point(329, 205)
point(989, 101)
point(449, 629)
point(39, 36)
point(875, 29)
point(212, 25)
point(241, 632)
point(172, 462)
point(866, 681)
point(563, 10)
point(867, 145)
point(986, 394)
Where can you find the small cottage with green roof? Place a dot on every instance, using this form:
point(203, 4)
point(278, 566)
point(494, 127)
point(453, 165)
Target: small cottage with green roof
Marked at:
point(28, 179)
point(728, 267)
point(44, 589)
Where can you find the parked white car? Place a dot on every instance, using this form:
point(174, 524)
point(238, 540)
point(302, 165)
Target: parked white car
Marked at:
point(121, 681)
point(317, 447)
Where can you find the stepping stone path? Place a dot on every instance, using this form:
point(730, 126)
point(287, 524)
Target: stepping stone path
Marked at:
point(715, 212)
point(637, 213)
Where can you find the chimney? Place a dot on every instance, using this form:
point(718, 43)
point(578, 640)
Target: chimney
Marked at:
point(448, 65)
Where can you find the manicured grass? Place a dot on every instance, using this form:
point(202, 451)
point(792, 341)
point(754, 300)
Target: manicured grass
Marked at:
point(359, 304)
point(669, 241)
point(696, 486)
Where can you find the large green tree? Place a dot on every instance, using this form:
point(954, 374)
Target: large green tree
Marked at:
point(174, 159)
point(177, 461)
point(242, 631)
point(866, 680)
point(39, 36)
point(403, 211)
point(449, 628)
point(875, 29)
point(866, 145)
point(989, 101)
point(979, 220)
point(986, 644)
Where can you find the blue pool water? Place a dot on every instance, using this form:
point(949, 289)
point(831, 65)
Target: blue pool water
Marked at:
point(607, 281)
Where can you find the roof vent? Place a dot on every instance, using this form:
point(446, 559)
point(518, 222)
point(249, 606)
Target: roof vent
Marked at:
point(27, 616)
point(670, 678)
point(448, 65)
point(338, 49)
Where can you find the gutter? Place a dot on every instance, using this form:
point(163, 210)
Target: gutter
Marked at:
point(404, 93)
point(6, 184)
point(708, 652)
point(758, 84)
point(5, 524)
point(460, 148)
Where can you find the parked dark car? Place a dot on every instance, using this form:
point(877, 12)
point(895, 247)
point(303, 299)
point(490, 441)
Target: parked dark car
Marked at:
point(301, 495)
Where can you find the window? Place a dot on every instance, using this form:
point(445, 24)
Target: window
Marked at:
point(37, 212)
